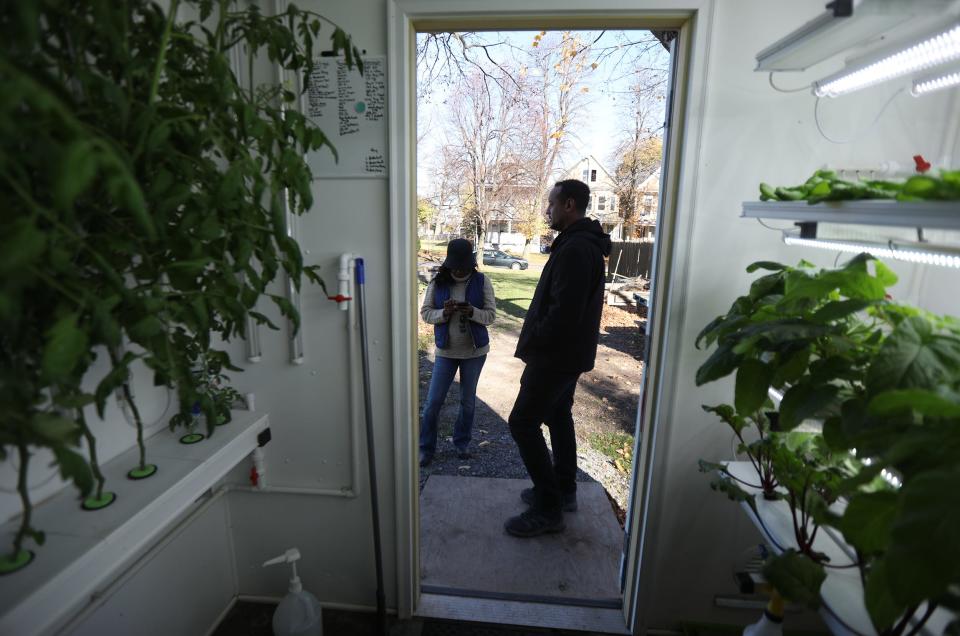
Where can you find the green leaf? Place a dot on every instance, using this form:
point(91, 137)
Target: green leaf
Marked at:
point(913, 356)
point(22, 246)
point(77, 170)
point(262, 320)
point(74, 467)
point(753, 380)
point(65, 347)
point(867, 521)
point(796, 577)
point(147, 328)
point(726, 413)
point(840, 309)
point(920, 400)
point(924, 554)
point(803, 401)
point(881, 605)
point(768, 265)
point(55, 429)
point(722, 363)
point(126, 192)
point(733, 492)
point(791, 367)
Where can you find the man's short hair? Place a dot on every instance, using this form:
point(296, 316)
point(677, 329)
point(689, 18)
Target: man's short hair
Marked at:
point(576, 190)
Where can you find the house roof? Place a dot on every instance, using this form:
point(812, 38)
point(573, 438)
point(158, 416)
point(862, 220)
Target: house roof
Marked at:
point(593, 160)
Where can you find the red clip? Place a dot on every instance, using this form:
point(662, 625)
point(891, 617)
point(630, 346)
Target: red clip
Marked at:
point(254, 476)
point(339, 298)
point(922, 164)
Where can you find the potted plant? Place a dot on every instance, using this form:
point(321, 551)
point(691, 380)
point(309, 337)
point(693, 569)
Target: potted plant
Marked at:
point(146, 190)
point(884, 380)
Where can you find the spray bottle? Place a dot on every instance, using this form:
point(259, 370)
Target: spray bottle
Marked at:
point(298, 614)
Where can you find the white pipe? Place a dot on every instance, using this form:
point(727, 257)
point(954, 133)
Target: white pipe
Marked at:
point(260, 465)
point(345, 281)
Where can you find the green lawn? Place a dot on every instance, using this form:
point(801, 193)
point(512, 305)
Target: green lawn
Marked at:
point(514, 291)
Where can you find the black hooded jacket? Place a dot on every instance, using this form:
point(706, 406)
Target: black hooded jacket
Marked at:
point(562, 326)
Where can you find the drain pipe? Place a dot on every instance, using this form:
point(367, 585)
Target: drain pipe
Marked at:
point(371, 456)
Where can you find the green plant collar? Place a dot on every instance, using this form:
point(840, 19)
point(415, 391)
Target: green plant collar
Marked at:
point(142, 473)
point(191, 438)
point(99, 503)
point(11, 563)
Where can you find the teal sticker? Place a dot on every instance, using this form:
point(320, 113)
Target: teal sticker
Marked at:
point(360, 107)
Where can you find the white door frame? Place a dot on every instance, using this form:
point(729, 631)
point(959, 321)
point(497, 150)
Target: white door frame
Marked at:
point(693, 18)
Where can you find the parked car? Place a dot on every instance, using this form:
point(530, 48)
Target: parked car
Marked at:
point(496, 258)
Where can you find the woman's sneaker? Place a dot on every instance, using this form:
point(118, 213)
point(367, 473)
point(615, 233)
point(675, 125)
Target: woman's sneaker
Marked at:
point(568, 500)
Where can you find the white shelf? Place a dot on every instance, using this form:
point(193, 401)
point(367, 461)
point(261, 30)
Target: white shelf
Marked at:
point(841, 594)
point(83, 548)
point(942, 215)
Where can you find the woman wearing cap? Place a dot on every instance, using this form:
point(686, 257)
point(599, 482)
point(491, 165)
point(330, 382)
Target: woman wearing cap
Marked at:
point(459, 303)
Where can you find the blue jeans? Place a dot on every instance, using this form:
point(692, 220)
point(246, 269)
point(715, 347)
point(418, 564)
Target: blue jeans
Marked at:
point(443, 371)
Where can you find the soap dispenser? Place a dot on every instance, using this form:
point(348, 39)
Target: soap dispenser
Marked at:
point(298, 614)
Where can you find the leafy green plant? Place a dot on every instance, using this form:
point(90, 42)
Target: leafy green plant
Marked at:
point(884, 379)
point(824, 185)
point(145, 190)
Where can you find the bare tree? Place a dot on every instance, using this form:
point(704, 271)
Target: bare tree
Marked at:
point(554, 100)
point(557, 103)
point(484, 132)
point(639, 151)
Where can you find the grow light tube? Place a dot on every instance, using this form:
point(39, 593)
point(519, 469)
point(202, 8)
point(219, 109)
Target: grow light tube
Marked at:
point(936, 82)
point(944, 257)
point(937, 49)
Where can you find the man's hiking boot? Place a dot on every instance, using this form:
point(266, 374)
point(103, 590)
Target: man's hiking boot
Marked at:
point(533, 523)
point(568, 500)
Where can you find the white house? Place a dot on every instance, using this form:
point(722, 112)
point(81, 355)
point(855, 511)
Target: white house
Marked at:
point(603, 201)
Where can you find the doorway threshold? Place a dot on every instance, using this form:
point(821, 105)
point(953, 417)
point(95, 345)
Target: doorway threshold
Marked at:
point(527, 614)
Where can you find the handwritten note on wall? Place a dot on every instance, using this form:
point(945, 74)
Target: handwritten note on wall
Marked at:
point(351, 110)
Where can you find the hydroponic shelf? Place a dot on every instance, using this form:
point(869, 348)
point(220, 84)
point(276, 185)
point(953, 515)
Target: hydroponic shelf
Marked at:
point(842, 608)
point(941, 215)
point(84, 548)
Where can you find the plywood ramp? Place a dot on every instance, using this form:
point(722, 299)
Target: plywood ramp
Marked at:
point(465, 550)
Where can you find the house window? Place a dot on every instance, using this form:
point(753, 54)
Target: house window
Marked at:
point(586, 174)
point(648, 200)
point(602, 203)
point(593, 176)
point(613, 203)
point(590, 203)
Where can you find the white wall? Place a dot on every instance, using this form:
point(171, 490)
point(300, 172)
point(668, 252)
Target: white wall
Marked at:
point(310, 411)
point(751, 134)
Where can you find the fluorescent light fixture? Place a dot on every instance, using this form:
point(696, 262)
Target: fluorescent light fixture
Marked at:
point(930, 52)
point(821, 38)
point(944, 257)
point(933, 83)
point(828, 34)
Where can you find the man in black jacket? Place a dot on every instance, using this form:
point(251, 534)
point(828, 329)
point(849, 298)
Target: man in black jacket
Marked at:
point(558, 342)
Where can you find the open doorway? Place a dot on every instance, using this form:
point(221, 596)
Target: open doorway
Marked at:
point(501, 117)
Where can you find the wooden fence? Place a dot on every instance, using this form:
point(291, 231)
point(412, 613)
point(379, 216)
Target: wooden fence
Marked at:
point(629, 259)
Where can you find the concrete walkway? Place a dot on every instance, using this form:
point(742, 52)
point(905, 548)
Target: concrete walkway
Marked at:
point(464, 548)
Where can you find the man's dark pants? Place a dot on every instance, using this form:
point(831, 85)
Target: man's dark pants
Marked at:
point(546, 396)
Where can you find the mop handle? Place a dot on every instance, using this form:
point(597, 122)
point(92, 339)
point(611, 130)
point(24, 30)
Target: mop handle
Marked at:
point(371, 453)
